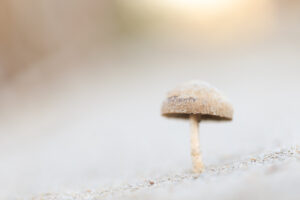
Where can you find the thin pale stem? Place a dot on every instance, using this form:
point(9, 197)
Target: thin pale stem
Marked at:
point(198, 166)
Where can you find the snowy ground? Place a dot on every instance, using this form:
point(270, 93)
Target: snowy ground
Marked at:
point(272, 175)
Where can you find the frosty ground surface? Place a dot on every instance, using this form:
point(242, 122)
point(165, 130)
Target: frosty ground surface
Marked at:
point(269, 175)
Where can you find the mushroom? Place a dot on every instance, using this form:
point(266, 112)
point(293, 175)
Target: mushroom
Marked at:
point(196, 101)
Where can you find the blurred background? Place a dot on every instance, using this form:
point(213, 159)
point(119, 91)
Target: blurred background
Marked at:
point(82, 82)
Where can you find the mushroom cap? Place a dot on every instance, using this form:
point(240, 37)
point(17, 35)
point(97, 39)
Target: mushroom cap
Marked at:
point(197, 97)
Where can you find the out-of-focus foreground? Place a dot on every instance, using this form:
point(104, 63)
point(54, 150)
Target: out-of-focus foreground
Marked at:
point(81, 84)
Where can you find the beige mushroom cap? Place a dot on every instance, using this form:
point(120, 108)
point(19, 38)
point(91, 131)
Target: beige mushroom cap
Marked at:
point(197, 97)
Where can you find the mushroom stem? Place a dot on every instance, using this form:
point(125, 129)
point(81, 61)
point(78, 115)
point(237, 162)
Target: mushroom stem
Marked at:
point(195, 146)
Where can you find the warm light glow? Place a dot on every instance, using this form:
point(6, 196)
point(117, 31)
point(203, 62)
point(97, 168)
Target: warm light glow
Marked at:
point(206, 6)
point(206, 3)
point(207, 20)
point(186, 7)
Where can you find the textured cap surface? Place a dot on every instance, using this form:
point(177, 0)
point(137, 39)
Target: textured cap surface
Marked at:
point(197, 97)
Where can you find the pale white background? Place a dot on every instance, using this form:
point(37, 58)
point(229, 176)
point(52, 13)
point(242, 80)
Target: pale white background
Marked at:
point(90, 117)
